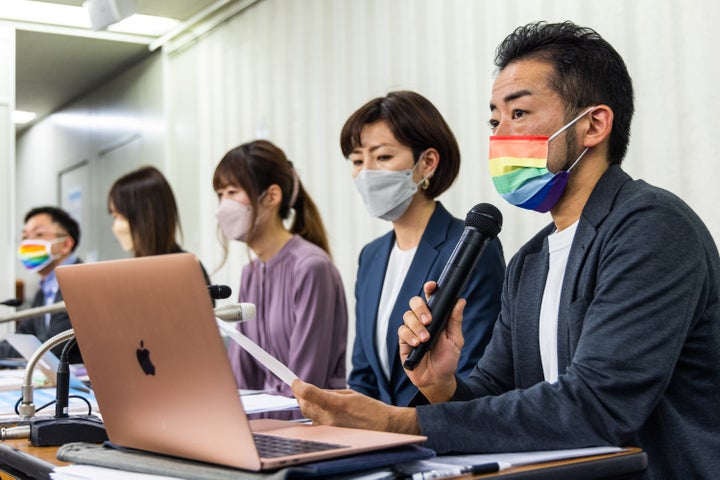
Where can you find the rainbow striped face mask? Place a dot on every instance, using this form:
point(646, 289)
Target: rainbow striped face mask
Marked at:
point(36, 254)
point(518, 166)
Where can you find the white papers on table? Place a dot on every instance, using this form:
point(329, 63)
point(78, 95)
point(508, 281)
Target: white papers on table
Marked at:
point(42, 396)
point(13, 379)
point(515, 459)
point(528, 458)
point(91, 472)
point(264, 402)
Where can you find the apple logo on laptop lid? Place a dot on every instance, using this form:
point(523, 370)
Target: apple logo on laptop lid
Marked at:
point(143, 356)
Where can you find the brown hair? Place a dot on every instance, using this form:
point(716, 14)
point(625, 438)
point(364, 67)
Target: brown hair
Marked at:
point(145, 198)
point(416, 123)
point(255, 166)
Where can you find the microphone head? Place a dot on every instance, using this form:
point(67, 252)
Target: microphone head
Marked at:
point(219, 292)
point(236, 312)
point(12, 302)
point(485, 218)
point(248, 311)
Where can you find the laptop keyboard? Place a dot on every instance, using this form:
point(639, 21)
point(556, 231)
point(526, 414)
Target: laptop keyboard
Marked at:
point(270, 446)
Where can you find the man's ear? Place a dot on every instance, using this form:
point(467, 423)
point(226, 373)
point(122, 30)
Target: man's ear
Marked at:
point(67, 245)
point(599, 127)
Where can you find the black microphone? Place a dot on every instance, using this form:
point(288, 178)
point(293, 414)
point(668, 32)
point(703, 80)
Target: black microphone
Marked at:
point(12, 302)
point(482, 224)
point(219, 292)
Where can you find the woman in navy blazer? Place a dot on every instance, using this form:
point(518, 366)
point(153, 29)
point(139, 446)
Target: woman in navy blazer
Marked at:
point(398, 143)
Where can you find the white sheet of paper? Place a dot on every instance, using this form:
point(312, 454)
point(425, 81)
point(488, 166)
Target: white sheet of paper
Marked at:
point(270, 362)
point(91, 472)
point(512, 459)
point(264, 402)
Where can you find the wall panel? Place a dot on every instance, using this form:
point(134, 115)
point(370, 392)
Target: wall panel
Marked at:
point(8, 234)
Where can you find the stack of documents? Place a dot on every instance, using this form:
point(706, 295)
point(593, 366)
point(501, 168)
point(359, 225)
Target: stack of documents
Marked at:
point(258, 402)
point(452, 465)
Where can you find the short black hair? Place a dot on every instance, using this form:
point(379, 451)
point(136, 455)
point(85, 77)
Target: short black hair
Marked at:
point(414, 122)
point(62, 218)
point(588, 71)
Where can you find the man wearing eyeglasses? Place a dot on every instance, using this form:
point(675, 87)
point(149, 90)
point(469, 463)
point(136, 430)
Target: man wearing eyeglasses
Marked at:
point(49, 239)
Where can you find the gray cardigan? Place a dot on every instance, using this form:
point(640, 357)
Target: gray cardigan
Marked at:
point(638, 342)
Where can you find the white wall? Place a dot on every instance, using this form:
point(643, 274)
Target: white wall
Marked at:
point(293, 71)
point(96, 139)
point(7, 170)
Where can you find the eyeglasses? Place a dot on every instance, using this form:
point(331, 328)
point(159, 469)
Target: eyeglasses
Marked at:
point(43, 236)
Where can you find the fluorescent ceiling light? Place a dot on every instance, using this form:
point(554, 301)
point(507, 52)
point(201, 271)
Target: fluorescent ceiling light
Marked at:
point(28, 11)
point(20, 117)
point(144, 25)
point(107, 122)
point(40, 12)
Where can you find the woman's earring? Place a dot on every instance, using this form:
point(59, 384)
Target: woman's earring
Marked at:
point(425, 184)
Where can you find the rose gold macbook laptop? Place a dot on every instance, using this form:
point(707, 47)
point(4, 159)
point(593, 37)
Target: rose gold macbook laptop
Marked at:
point(159, 369)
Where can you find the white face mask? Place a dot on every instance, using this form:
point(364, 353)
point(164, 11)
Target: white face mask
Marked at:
point(121, 230)
point(387, 194)
point(234, 219)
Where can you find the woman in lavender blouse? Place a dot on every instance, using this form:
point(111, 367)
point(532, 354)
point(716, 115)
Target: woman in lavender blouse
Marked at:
point(301, 308)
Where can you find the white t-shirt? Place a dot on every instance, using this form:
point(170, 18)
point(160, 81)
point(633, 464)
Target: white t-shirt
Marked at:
point(397, 268)
point(559, 245)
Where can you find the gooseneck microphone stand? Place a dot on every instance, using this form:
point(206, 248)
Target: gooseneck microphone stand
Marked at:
point(61, 428)
point(27, 407)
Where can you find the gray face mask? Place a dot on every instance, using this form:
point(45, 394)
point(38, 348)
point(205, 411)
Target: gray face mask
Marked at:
point(387, 194)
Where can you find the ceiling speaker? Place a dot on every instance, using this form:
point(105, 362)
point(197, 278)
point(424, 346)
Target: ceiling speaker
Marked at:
point(104, 13)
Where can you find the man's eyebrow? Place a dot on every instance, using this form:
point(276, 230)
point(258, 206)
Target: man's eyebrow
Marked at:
point(512, 96)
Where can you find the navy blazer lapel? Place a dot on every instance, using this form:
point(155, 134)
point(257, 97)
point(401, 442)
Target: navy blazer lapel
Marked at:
point(39, 322)
point(422, 262)
point(592, 216)
point(532, 285)
point(377, 267)
point(584, 236)
point(435, 236)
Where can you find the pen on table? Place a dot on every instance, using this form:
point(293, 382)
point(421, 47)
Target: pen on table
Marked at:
point(465, 471)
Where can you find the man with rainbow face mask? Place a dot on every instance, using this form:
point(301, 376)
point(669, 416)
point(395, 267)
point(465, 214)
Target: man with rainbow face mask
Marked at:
point(609, 328)
point(49, 239)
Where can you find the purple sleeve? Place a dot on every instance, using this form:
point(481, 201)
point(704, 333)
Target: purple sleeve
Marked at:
point(319, 335)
